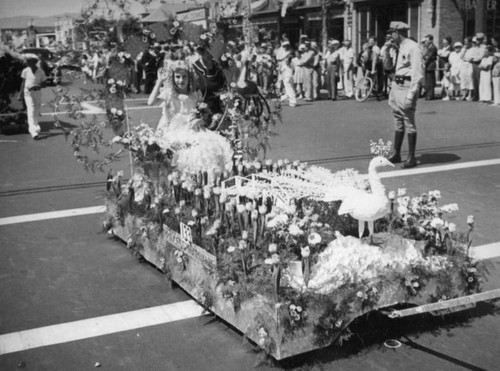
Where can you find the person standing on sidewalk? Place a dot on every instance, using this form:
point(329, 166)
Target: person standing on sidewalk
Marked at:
point(348, 68)
point(33, 79)
point(430, 58)
point(404, 93)
point(307, 62)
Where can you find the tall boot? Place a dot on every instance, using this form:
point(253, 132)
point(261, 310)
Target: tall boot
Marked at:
point(398, 141)
point(411, 161)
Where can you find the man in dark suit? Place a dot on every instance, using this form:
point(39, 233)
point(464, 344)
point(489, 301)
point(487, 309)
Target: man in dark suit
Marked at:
point(430, 58)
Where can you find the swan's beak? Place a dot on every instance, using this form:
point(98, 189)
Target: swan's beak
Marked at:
point(390, 164)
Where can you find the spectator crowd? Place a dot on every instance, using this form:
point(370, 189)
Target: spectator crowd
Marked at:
point(464, 70)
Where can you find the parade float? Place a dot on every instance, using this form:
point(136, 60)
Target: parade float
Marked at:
point(278, 249)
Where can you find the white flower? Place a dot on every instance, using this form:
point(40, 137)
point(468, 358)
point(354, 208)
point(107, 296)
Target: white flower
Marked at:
point(392, 195)
point(175, 24)
point(436, 194)
point(449, 208)
point(403, 201)
point(111, 81)
point(452, 227)
point(314, 239)
point(294, 230)
point(305, 251)
point(470, 220)
point(262, 210)
point(120, 83)
point(244, 235)
point(242, 245)
point(274, 259)
point(401, 192)
point(119, 112)
point(116, 139)
point(112, 90)
point(403, 210)
point(359, 294)
point(231, 249)
point(194, 213)
point(273, 248)
point(113, 110)
point(191, 223)
point(437, 222)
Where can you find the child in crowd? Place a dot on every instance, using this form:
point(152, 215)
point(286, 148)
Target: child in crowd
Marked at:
point(298, 76)
point(448, 88)
point(287, 74)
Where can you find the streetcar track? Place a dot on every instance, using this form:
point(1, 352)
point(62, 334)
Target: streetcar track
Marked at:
point(86, 185)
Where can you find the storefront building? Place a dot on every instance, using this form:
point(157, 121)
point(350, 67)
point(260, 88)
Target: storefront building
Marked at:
point(359, 19)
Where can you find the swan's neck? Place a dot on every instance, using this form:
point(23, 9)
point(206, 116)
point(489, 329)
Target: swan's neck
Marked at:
point(375, 183)
point(241, 80)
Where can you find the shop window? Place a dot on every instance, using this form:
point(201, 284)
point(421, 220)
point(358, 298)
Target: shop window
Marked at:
point(413, 17)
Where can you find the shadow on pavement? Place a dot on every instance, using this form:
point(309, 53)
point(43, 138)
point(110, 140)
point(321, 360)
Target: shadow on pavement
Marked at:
point(369, 332)
point(437, 158)
point(55, 125)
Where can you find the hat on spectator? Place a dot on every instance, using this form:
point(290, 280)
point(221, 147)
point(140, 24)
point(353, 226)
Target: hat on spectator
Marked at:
point(480, 35)
point(307, 42)
point(474, 39)
point(334, 42)
point(314, 44)
point(398, 26)
point(302, 47)
point(285, 43)
point(346, 41)
point(33, 56)
point(231, 43)
point(457, 44)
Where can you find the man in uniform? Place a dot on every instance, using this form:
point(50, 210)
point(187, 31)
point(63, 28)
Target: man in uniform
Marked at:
point(404, 92)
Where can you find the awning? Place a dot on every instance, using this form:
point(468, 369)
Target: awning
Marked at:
point(165, 12)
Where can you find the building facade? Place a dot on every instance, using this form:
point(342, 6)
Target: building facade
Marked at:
point(357, 20)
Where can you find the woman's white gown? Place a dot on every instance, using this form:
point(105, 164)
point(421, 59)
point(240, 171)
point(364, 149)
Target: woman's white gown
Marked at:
point(195, 149)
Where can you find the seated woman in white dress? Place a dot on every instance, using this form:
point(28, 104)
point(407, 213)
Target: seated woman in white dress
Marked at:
point(196, 148)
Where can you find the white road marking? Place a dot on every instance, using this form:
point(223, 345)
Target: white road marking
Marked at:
point(98, 101)
point(8, 141)
point(489, 251)
point(52, 215)
point(91, 108)
point(95, 112)
point(92, 327)
point(434, 169)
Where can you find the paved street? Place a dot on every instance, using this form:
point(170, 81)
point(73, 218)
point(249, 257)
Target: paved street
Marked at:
point(57, 269)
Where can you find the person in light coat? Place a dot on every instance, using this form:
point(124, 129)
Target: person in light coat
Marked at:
point(31, 88)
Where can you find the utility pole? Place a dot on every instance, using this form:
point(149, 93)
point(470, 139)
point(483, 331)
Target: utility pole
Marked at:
point(247, 25)
point(324, 30)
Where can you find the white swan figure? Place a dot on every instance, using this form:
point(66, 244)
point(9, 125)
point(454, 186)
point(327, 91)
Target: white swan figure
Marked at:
point(362, 205)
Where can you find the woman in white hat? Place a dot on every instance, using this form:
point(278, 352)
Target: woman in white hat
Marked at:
point(466, 70)
point(33, 79)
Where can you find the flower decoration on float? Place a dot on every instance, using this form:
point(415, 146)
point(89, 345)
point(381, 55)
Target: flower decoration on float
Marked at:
point(380, 148)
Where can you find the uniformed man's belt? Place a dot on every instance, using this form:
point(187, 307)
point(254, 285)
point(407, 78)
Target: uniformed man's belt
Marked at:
point(401, 79)
point(34, 88)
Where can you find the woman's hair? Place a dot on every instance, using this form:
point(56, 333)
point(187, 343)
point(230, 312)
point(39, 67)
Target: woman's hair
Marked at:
point(176, 66)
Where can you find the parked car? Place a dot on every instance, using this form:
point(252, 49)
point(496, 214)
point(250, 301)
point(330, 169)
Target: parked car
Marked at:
point(48, 63)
